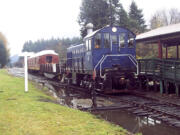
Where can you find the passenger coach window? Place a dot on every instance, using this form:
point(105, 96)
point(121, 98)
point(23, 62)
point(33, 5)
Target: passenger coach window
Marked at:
point(130, 41)
point(122, 40)
point(97, 42)
point(49, 59)
point(106, 40)
point(114, 39)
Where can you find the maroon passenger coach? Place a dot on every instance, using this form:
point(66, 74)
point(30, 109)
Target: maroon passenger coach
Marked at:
point(45, 62)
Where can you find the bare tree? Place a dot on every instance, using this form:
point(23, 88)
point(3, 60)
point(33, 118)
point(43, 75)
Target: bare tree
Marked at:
point(174, 16)
point(164, 18)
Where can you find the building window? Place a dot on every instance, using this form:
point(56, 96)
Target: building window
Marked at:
point(122, 40)
point(97, 41)
point(130, 40)
point(106, 40)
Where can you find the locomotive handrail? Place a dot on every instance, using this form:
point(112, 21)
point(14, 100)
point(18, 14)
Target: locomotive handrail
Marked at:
point(104, 57)
point(94, 74)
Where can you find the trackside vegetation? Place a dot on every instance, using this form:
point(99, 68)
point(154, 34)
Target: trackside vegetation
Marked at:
point(30, 114)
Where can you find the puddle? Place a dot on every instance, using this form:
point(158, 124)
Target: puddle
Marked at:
point(74, 99)
point(134, 124)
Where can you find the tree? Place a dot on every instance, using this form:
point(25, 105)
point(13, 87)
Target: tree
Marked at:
point(164, 18)
point(4, 52)
point(137, 22)
point(122, 17)
point(96, 12)
point(59, 45)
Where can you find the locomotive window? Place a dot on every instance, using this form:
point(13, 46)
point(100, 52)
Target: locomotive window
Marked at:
point(130, 41)
point(114, 39)
point(49, 59)
point(106, 40)
point(89, 44)
point(97, 41)
point(122, 40)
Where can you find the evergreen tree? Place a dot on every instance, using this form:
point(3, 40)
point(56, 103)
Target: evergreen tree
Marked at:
point(59, 45)
point(137, 22)
point(122, 17)
point(96, 12)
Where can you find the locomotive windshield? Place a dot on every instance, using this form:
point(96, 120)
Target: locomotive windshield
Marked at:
point(122, 40)
point(114, 39)
point(97, 41)
point(130, 41)
point(106, 40)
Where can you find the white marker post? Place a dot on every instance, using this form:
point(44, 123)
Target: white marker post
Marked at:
point(25, 72)
point(26, 54)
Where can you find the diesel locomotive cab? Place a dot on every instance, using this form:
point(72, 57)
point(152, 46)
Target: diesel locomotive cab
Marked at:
point(114, 62)
point(106, 57)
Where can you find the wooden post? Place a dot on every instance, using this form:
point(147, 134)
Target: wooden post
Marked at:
point(161, 87)
point(177, 51)
point(177, 89)
point(147, 85)
point(155, 85)
point(166, 52)
point(166, 87)
point(159, 49)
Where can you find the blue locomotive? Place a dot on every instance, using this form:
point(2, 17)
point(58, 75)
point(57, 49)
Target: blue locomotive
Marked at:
point(106, 57)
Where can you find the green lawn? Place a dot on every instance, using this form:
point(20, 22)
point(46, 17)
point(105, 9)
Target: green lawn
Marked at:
point(26, 114)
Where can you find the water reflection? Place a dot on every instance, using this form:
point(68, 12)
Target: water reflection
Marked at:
point(144, 125)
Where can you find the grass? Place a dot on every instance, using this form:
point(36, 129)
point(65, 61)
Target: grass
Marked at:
point(25, 114)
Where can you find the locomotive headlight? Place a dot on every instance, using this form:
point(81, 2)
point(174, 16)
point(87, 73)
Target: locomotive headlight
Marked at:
point(114, 29)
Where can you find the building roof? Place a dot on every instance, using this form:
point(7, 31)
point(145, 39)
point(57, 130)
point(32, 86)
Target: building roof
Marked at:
point(166, 33)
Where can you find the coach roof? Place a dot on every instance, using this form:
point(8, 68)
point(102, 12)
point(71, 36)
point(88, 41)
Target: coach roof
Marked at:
point(44, 52)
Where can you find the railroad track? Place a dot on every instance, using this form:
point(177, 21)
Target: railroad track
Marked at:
point(142, 106)
point(136, 104)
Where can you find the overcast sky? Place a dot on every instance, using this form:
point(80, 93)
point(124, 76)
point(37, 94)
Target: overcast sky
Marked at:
point(23, 20)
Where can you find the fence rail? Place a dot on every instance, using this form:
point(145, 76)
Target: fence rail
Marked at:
point(161, 69)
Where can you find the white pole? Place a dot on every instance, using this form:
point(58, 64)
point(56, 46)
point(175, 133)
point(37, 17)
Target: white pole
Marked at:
point(25, 73)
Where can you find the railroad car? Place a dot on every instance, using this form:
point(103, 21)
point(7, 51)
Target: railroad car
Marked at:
point(107, 57)
point(44, 62)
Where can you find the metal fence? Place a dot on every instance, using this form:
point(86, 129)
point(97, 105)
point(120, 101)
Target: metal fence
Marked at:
point(160, 69)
